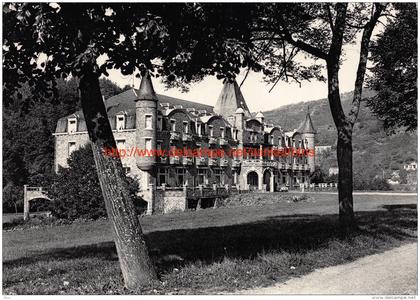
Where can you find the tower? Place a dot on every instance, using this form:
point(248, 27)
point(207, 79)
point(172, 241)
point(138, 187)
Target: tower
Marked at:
point(146, 122)
point(308, 133)
point(230, 99)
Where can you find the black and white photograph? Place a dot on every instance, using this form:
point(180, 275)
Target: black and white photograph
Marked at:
point(210, 148)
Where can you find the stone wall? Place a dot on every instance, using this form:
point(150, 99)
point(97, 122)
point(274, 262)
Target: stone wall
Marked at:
point(170, 200)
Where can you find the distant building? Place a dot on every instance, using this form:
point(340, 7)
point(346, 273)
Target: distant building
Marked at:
point(333, 171)
point(141, 118)
point(412, 166)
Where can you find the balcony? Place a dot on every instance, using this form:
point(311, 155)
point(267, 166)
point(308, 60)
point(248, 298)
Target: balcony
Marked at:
point(224, 163)
point(223, 142)
point(174, 160)
point(174, 136)
point(212, 141)
point(201, 161)
point(213, 162)
point(186, 137)
point(187, 161)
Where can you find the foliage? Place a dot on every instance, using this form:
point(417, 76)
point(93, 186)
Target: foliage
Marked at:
point(394, 74)
point(76, 191)
point(28, 143)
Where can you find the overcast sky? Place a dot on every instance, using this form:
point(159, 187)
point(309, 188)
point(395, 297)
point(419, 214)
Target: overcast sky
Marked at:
point(255, 90)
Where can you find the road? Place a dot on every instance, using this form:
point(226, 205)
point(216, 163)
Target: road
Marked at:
point(393, 272)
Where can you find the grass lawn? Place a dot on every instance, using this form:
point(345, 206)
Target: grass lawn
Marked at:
point(222, 249)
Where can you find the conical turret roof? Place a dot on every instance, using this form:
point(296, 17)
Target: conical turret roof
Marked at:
point(146, 90)
point(230, 99)
point(307, 126)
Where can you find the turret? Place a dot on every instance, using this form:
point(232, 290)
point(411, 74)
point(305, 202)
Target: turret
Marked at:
point(146, 122)
point(308, 133)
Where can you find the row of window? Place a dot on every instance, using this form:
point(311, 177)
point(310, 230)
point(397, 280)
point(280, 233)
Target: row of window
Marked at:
point(181, 177)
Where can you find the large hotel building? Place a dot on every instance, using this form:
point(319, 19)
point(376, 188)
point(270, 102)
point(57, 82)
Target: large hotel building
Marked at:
point(142, 119)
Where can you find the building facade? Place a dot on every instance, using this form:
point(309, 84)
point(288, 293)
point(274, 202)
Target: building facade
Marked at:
point(224, 148)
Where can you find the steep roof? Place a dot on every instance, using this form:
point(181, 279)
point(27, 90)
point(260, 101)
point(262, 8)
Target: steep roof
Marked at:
point(125, 102)
point(307, 126)
point(230, 99)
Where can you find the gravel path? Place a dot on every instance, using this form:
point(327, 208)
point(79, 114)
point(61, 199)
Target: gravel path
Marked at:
point(393, 272)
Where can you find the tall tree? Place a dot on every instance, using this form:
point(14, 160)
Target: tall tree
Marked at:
point(132, 36)
point(283, 30)
point(394, 74)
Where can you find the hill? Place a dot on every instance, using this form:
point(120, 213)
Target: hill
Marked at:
point(373, 148)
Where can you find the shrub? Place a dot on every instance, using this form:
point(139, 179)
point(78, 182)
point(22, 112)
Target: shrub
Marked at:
point(76, 192)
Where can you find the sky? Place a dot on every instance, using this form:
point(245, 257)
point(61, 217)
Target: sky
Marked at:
point(255, 90)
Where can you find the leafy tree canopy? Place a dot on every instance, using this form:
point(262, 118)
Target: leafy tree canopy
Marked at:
point(395, 71)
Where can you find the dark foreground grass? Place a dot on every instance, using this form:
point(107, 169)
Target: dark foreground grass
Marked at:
point(215, 259)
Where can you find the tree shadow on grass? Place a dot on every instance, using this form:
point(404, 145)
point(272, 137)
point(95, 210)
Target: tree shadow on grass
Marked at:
point(296, 233)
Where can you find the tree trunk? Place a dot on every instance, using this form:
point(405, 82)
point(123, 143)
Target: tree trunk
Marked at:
point(344, 150)
point(136, 266)
point(345, 180)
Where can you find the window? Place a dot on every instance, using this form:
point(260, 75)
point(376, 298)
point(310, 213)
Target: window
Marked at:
point(222, 132)
point(173, 125)
point(203, 129)
point(159, 124)
point(72, 125)
point(219, 177)
point(120, 122)
point(201, 176)
point(199, 129)
point(148, 144)
point(181, 178)
point(148, 124)
point(72, 147)
point(185, 127)
point(120, 144)
point(163, 175)
point(236, 134)
point(211, 131)
point(127, 169)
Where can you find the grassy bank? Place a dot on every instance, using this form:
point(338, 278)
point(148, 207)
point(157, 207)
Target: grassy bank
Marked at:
point(206, 251)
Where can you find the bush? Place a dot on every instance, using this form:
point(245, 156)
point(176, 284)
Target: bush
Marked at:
point(369, 184)
point(76, 192)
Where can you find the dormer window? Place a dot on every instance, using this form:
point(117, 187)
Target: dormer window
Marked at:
point(173, 125)
point(71, 125)
point(148, 122)
point(211, 131)
point(159, 124)
point(222, 132)
point(120, 122)
point(185, 126)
